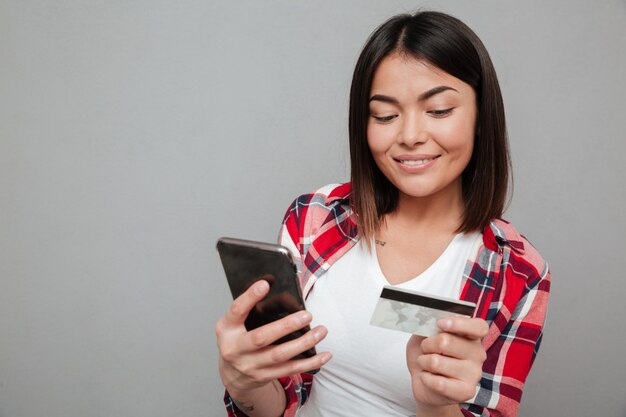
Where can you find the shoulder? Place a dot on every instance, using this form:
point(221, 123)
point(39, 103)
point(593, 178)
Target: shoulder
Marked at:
point(322, 220)
point(328, 194)
point(521, 257)
point(319, 202)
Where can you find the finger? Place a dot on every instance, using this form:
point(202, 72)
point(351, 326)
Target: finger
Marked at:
point(269, 333)
point(454, 390)
point(415, 340)
point(298, 366)
point(242, 305)
point(451, 368)
point(471, 328)
point(258, 366)
point(288, 350)
point(454, 346)
point(414, 346)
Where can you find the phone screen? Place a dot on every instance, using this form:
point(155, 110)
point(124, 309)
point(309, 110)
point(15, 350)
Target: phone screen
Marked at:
point(246, 262)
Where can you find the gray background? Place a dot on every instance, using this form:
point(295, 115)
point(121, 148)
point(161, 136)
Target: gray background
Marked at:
point(134, 133)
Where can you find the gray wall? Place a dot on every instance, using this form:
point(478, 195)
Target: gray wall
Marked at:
point(134, 133)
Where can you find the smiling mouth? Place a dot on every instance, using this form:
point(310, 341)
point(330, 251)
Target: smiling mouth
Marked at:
point(416, 162)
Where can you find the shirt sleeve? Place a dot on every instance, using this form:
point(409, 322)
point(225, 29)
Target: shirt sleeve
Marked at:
point(514, 337)
point(295, 386)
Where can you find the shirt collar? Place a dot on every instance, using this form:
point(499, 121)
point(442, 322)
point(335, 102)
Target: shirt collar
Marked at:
point(498, 234)
point(501, 233)
point(341, 192)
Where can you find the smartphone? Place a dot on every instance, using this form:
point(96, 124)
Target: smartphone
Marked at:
point(246, 262)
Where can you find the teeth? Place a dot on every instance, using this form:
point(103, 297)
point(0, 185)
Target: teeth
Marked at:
point(416, 162)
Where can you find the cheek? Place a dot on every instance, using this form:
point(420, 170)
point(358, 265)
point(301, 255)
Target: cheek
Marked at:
point(378, 138)
point(461, 140)
point(378, 146)
point(464, 154)
point(373, 140)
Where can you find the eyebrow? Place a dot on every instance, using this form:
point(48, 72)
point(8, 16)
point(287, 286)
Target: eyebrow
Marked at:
point(424, 96)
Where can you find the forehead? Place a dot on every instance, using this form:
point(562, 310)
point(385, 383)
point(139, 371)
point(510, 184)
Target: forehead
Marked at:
point(405, 73)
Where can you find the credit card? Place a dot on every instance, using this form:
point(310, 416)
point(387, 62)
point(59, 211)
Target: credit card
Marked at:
point(415, 312)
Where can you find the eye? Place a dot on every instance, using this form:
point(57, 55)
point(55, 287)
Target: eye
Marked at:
point(384, 119)
point(439, 113)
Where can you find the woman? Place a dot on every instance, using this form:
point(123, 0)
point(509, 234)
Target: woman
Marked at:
point(429, 177)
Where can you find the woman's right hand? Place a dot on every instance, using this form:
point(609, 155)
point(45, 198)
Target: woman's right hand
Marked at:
point(248, 360)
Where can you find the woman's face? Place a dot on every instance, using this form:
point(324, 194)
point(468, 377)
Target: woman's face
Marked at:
point(421, 126)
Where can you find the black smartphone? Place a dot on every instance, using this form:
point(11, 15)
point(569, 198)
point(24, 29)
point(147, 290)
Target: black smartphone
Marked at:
point(246, 262)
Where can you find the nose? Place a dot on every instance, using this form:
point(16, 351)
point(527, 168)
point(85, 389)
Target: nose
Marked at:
point(413, 130)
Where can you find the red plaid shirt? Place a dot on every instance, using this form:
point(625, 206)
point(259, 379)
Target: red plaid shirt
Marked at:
point(508, 281)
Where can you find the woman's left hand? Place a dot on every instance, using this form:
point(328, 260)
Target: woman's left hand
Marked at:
point(446, 368)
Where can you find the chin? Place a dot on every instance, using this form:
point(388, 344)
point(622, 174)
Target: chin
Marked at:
point(416, 193)
point(428, 190)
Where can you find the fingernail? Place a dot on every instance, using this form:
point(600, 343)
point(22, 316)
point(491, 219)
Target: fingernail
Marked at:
point(260, 287)
point(304, 317)
point(326, 356)
point(445, 324)
point(318, 333)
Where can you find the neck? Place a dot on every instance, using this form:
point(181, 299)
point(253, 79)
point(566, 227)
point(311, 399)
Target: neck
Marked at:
point(441, 211)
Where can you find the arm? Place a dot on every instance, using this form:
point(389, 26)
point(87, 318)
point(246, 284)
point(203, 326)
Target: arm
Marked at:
point(296, 384)
point(513, 340)
point(251, 367)
point(294, 389)
point(268, 400)
point(455, 369)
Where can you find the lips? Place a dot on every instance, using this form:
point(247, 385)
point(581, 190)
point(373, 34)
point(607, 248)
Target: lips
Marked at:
point(415, 160)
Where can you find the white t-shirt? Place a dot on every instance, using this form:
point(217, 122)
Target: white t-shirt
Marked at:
point(368, 375)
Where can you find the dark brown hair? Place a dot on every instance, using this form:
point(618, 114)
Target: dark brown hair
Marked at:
point(450, 45)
